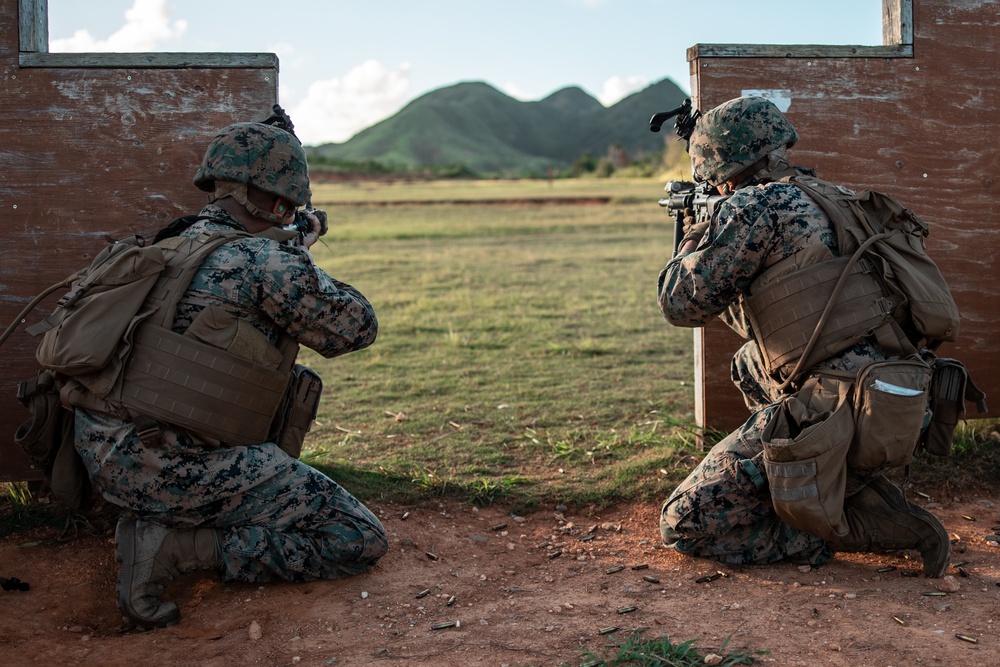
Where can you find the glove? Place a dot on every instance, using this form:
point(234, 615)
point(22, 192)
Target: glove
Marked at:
point(692, 229)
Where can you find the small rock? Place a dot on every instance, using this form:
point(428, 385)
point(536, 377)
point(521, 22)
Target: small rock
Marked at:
point(713, 659)
point(805, 568)
point(949, 584)
point(254, 632)
point(364, 595)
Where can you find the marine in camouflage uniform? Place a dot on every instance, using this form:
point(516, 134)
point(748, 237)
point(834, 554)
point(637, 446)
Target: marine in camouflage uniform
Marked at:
point(254, 513)
point(723, 510)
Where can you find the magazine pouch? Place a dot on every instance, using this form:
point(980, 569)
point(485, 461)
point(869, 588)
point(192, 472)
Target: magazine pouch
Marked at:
point(301, 406)
point(951, 387)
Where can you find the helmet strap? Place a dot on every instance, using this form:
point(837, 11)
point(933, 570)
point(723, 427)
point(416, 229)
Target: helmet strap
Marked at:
point(238, 191)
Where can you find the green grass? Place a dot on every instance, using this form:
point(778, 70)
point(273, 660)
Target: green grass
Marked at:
point(635, 650)
point(521, 355)
point(620, 190)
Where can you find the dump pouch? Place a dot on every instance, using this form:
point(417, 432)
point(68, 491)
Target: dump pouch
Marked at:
point(301, 406)
point(951, 386)
point(805, 456)
point(47, 437)
point(890, 406)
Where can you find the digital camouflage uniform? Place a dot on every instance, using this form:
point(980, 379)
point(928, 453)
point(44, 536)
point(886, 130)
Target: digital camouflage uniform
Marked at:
point(278, 516)
point(723, 509)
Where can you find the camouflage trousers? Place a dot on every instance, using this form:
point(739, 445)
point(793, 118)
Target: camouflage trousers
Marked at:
point(278, 517)
point(723, 509)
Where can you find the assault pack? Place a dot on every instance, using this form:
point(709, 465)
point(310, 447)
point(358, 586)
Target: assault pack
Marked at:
point(109, 346)
point(883, 283)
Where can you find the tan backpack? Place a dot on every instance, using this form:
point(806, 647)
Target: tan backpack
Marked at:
point(931, 312)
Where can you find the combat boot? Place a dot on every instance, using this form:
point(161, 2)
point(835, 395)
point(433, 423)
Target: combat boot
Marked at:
point(151, 556)
point(880, 519)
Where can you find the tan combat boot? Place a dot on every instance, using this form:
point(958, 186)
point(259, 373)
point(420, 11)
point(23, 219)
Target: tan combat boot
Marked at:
point(880, 519)
point(151, 556)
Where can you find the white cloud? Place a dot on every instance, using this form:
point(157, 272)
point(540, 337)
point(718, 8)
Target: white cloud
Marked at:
point(336, 109)
point(147, 24)
point(516, 92)
point(617, 88)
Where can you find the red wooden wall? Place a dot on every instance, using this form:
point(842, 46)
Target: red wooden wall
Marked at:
point(94, 145)
point(919, 118)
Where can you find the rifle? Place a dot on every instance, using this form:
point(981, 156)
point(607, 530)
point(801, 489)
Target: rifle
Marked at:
point(686, 199)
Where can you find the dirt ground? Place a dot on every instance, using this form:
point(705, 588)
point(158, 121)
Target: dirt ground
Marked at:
point(532, 590)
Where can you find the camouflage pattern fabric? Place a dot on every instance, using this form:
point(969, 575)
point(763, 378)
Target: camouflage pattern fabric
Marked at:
point(720, 511)
point(259, 155)
point(279, 517)
point(735, 135)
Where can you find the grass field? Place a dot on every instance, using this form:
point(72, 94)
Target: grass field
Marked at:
point(521, 354)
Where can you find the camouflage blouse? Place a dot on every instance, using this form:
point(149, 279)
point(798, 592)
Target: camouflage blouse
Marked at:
point(277, 288)
point(755, 228)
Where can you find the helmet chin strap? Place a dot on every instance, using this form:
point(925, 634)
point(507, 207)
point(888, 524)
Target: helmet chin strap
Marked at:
point(238, 191)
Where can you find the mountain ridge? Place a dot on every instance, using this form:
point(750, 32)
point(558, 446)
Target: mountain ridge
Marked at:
point(473, 125)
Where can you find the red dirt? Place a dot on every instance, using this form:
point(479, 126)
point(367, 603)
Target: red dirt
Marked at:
point(517, 604)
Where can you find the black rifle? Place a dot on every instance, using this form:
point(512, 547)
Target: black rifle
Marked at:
point(687, 117)
point(686, 199)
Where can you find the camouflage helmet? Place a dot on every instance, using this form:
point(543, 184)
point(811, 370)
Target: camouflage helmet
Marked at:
point(735, 135)
point(260, 155)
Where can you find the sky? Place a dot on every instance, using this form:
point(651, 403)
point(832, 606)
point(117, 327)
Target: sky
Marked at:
point(344, 65)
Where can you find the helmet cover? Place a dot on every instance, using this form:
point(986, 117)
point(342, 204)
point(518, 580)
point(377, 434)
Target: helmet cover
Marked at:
point(735, 135)
point(258, 155)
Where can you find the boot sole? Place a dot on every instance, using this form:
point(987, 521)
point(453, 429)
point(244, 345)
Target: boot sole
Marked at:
point(125, 539)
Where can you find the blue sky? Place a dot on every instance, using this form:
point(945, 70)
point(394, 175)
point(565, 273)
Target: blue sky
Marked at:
point(346, 64)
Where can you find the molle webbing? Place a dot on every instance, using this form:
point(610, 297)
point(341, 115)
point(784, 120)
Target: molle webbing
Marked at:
point(178, 380)
point(175, 379)
point(785, 313)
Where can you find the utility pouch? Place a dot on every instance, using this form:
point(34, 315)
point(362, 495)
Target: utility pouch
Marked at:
point(951, 386)
point(890, 407)
point(805, 456)
point(47, 437)
point(301, 406)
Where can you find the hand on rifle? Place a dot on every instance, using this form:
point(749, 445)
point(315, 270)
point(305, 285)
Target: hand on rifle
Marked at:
point(693, 230)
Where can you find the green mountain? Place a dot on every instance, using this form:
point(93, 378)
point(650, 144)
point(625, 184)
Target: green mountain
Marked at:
point(476, 126)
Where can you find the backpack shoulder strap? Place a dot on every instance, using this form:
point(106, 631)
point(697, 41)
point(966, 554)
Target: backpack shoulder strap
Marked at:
point(185, 254)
